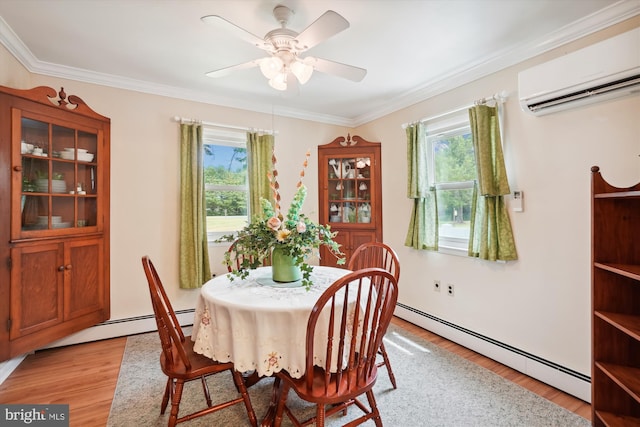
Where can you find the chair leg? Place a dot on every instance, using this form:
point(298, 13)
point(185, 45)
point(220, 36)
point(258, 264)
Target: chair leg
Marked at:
point(320, 415)
point(242, 389)
point(374, 408)
point(175, 403)
point(205, 389)
point(167, 394)
point(392, 377)
point(282, 401)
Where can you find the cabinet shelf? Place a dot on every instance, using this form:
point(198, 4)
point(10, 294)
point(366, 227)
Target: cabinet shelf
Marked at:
point(626, 377)
point(627, 323)
point(628, 270)
point(613, 420)
point(618, 195)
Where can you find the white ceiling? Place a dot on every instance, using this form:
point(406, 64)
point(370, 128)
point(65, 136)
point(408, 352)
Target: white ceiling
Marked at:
point(412, 49)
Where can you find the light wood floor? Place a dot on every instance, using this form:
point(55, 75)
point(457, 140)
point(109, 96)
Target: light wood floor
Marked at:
point(85, 375)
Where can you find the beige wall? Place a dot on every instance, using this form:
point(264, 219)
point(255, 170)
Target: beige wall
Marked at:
point(539, 303)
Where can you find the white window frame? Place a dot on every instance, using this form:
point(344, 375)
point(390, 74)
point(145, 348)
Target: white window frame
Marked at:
point(450, 125)
point(228, 138)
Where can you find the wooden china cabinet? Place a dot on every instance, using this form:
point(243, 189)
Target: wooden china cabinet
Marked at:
point(615, 377)
point(54, 207)
point(350, 193)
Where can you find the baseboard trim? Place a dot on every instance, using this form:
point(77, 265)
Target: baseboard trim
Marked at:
point(560, 377)
point(8, 366)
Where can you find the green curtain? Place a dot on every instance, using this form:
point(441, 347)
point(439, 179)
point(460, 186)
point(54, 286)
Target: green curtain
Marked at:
point(194, 253)
point(423, 224)
point(260, 163)
point(491, 236)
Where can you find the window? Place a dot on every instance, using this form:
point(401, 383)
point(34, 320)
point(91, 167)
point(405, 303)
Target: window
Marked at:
point(453, 169)
point(226, 183)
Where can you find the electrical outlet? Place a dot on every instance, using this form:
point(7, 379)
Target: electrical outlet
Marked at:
point(450, 289)
point(436, 285)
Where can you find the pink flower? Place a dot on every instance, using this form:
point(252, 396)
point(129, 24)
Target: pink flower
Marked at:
point(274, 223)
point(301, 227)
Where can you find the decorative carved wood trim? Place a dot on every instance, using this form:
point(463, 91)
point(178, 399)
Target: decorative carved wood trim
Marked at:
point(49, 96)
point(341, 141)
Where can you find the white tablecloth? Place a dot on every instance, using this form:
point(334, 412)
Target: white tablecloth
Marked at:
point(257, 326)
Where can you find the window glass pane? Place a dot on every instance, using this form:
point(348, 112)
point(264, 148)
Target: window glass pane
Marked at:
point(226, 211)
point(454, 212)
point(225, 176)
point(225, 165)
point(454, 158)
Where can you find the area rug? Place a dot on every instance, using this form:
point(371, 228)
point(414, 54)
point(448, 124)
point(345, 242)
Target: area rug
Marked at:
point(435, 388)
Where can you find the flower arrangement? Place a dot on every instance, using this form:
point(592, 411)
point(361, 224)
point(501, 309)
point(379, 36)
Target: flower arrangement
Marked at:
point(294, 234)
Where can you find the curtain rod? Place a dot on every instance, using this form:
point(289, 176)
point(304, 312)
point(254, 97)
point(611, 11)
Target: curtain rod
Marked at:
point(184, 120)
point(500, 98)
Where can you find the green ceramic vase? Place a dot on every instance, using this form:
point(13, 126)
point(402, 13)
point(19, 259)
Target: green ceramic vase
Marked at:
point(283, 267)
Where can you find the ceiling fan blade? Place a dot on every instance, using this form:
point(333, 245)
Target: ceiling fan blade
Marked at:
point(327, 25)
point(219, 22)
point(222, 72)
point(345, 71)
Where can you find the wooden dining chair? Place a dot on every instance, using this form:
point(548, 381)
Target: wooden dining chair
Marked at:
point(378, 254)
point(241, 260)
point(352, 336)
point(180, 363)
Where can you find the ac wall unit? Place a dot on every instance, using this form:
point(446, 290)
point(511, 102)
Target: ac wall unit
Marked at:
point(605, 70)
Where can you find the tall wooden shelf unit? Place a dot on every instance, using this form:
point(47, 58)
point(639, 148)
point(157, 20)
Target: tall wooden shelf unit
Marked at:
point(615, 379)
point(350, 193)
point(54, 207)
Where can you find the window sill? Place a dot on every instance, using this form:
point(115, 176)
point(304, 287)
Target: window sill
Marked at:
point(450, 250)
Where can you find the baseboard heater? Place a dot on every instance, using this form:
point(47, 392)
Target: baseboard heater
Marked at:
point(121, 327)
point(190, 311)
point(546, 371)
point(512, 349)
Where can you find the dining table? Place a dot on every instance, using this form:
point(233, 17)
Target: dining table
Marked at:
point(257, 324)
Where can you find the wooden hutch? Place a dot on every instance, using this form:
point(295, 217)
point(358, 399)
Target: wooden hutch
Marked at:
point(54, 207)
point(350, 193)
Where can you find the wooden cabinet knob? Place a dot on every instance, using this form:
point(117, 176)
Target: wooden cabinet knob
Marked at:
point(17, 168)
point(68, 267)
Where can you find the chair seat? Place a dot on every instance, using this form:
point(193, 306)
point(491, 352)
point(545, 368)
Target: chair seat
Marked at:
point(200, 365)
point(339, 389)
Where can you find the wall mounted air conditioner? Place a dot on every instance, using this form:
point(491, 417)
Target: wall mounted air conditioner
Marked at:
point(605, 70)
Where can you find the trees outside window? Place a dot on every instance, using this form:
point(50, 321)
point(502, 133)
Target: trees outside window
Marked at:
point(226, 184)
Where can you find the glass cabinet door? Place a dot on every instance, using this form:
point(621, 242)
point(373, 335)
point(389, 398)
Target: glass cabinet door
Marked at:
point(59, 176)
point(349, 185)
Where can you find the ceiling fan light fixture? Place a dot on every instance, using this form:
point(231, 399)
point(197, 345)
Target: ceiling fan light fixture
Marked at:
point(279, 82)
point(270, 67)
point(302, 71)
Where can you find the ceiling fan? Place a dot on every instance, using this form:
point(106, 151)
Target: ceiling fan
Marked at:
point(285, 68)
